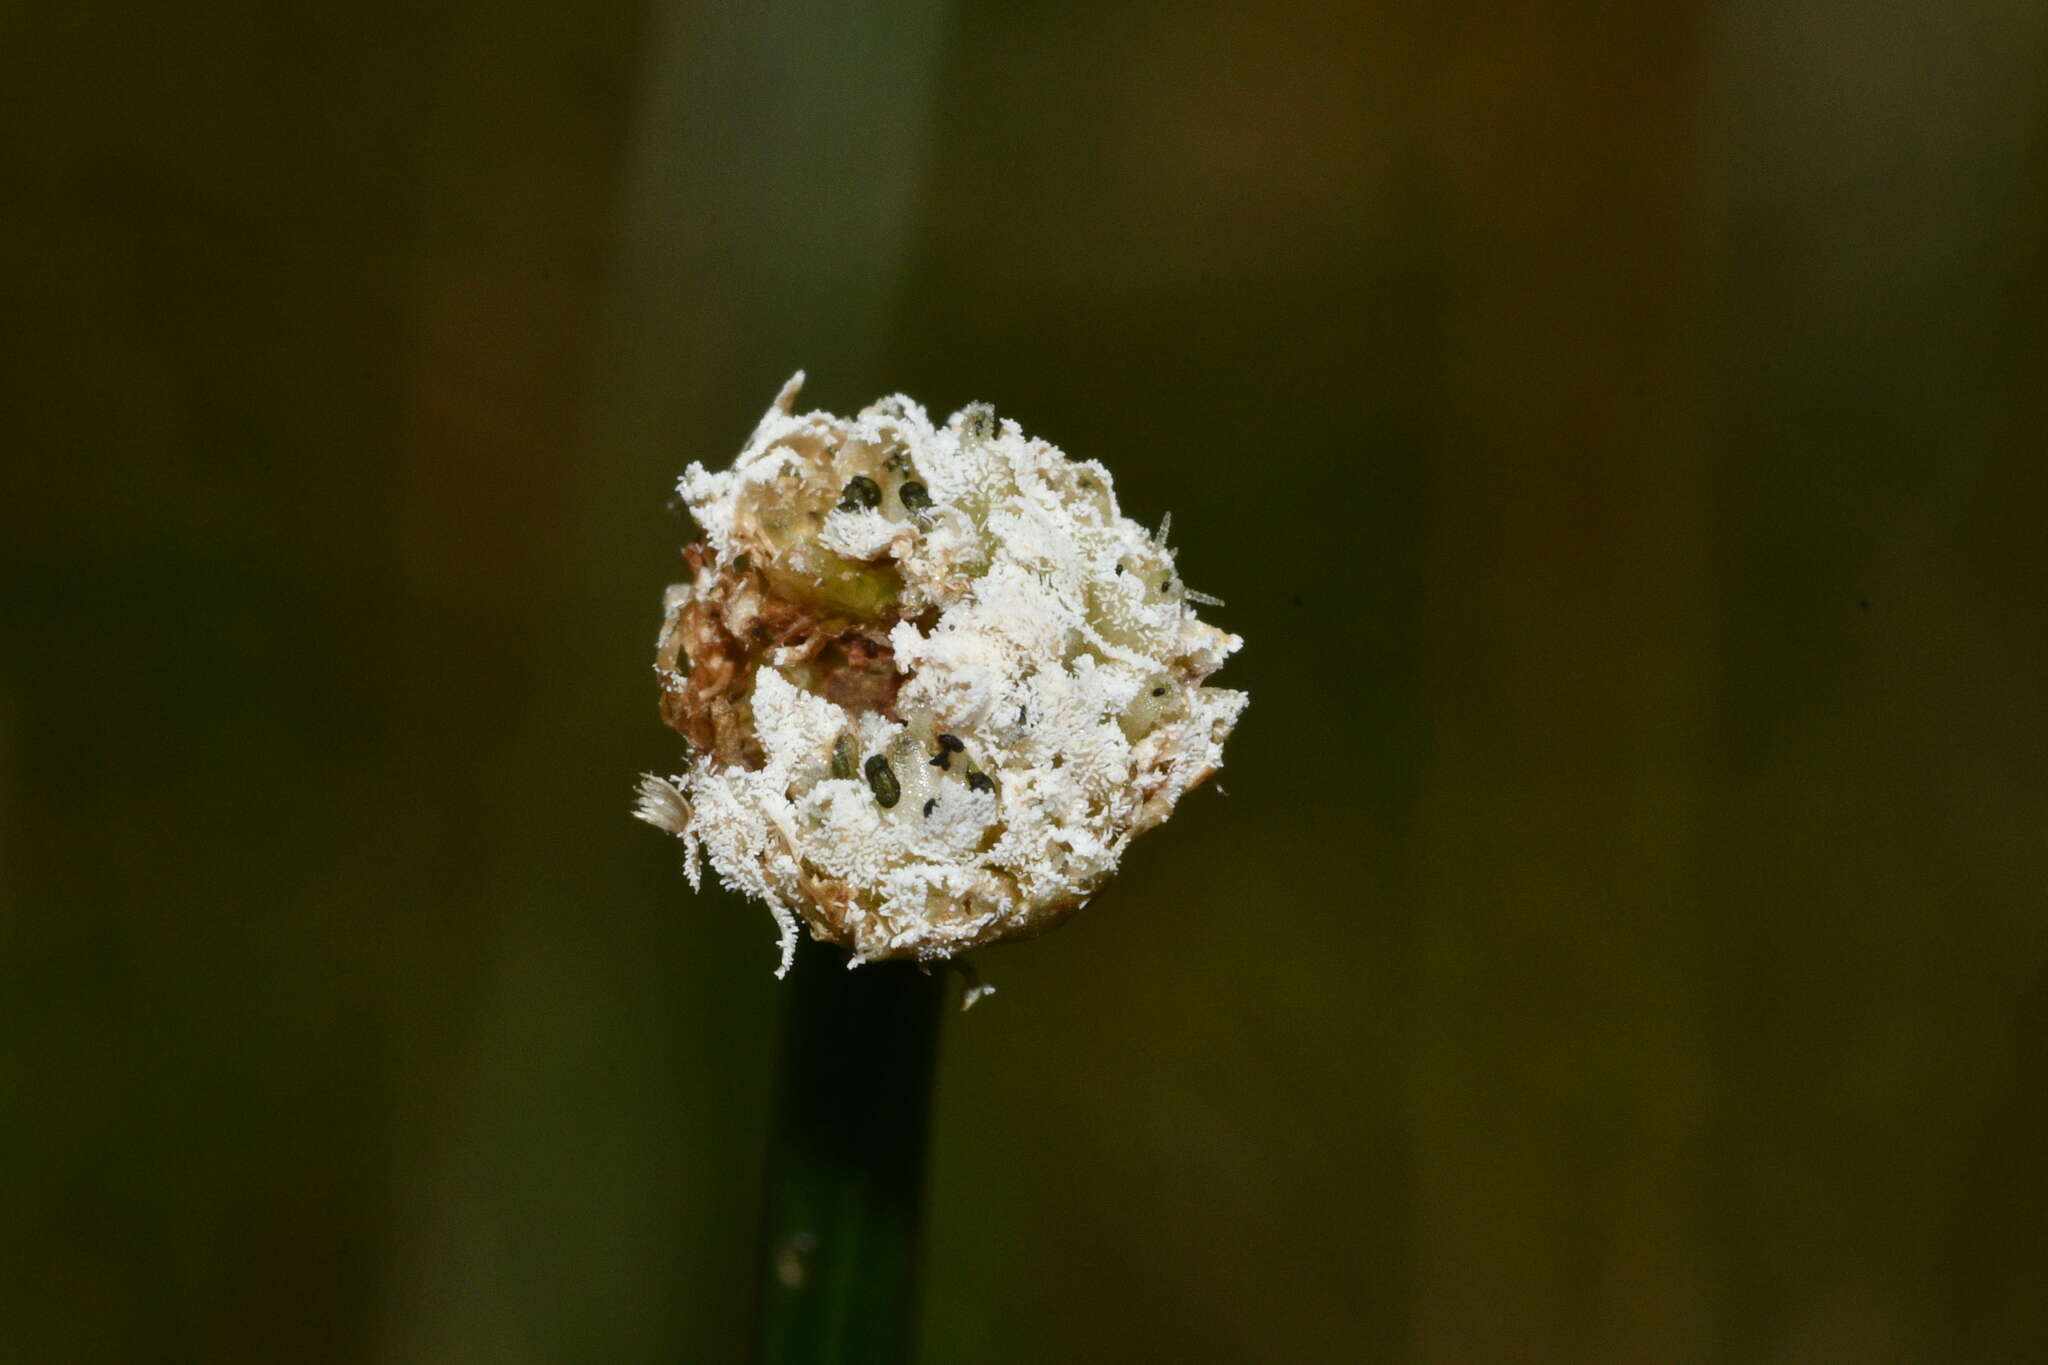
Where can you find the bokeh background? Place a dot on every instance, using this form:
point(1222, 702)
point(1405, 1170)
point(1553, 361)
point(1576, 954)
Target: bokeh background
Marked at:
point(1618, 431)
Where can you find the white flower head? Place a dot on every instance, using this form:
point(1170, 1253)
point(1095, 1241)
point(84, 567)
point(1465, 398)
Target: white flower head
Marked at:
point(932, 680)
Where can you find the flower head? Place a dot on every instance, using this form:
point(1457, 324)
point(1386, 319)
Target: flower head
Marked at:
point(931, 679)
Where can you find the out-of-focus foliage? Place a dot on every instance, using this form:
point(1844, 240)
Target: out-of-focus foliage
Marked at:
point(1617, 432)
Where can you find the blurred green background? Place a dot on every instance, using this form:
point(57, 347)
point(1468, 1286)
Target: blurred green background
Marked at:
point(1618, 431)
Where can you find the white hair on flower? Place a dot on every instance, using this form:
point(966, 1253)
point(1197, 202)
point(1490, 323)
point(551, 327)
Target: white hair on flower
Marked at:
point(932, 680)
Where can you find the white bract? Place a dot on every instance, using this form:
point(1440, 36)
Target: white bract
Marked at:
point(933, 681)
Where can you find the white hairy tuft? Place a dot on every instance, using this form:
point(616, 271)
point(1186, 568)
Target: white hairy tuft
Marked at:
point(1049, 671)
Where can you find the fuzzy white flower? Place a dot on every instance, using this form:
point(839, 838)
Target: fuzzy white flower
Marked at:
point(933, 682)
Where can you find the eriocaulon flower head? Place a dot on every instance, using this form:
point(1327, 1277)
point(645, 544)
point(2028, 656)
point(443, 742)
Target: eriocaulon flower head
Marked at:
point(931, 680)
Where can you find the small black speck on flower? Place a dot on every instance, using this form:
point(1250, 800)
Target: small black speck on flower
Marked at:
point(860, 491)
point(1166, 584)
point(914, 496)
point(1023, 716)
point(980, 782)
point(948, 746)
point(1119, 566)
point(952, 742)
point(930, 805)
point(883, 779)
point(1158, 691)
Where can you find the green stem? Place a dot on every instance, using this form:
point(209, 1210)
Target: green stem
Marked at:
point(846, 1161)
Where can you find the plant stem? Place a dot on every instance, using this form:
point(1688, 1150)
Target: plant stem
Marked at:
point(846, 1161)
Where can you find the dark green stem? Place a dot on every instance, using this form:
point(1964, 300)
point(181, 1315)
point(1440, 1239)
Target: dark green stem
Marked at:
point(846, 1161)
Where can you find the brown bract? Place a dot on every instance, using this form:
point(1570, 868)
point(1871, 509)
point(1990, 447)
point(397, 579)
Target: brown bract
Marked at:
point(716, 635)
